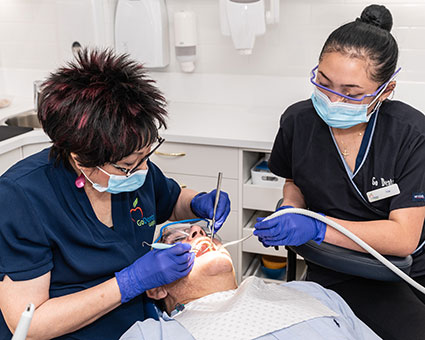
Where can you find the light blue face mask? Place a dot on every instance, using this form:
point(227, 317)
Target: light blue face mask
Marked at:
point(118, 184)
point(339, 114)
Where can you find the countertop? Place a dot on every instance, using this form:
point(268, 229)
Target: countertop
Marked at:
point(221, 110)
point(197, 123)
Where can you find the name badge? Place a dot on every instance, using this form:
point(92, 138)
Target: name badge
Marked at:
point(381, 193)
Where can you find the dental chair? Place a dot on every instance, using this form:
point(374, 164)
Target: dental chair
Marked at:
point(344, 260)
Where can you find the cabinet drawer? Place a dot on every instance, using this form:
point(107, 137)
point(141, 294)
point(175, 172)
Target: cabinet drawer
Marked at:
point(201, 183)
point(261, 198)
point(197, 159)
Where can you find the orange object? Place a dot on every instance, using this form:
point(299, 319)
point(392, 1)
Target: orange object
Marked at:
point(273, 262)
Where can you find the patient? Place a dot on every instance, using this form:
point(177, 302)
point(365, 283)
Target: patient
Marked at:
point(208, 304)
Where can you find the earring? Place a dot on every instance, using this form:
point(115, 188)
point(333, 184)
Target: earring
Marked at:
point(80, 181)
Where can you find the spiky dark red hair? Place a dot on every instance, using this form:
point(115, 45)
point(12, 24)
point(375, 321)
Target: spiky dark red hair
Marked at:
point(101, 107)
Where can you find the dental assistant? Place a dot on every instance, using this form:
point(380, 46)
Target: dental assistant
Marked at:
point(336, 151)
point(75, 216)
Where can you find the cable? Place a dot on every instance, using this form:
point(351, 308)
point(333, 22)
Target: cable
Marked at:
point(353, 237)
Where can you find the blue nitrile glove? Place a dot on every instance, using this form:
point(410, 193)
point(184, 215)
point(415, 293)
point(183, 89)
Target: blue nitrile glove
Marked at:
point(289, 230)
point(202, 206)
point(154, 269)
point(260, 238)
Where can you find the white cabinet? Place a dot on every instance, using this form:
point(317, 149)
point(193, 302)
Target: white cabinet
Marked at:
point(9, 158)
point(257, 201)
point(196, 167)
point(18, 152)
point(30, 149)
point(194, 159)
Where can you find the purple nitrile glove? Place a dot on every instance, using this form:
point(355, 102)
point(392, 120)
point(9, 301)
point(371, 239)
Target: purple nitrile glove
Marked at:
point(202, 206)
point(154, 269)
point(289, 230)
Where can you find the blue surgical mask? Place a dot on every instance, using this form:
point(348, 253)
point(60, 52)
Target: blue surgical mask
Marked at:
point(118, 184)
point(339, 114)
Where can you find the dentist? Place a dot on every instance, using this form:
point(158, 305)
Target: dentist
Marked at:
point(74, 216)
point(336, 150)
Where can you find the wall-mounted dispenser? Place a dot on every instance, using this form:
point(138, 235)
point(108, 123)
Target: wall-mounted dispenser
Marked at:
point(80, 23)
point(243, 20)
point(141, 30)
point(185, 39)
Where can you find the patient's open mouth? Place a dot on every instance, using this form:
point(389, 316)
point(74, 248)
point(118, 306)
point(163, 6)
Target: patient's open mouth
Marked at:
point(203, 246)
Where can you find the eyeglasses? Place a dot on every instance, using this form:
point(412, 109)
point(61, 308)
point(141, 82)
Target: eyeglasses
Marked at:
point(381, 88)
point(128, 172)
point(180, 231)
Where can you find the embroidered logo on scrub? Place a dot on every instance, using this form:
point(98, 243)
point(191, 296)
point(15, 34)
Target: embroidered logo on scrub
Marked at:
point(418, 197)
point(137, 216)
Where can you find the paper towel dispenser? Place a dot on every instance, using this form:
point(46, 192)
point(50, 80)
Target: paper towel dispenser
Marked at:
point(141, 30)
point(244, 20)
point(80, 23)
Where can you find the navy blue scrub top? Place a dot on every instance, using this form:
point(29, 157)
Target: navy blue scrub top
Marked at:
point(47, 224)
point(392, 151)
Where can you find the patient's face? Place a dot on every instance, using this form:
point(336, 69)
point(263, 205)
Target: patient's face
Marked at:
point(209, 260)
point(212, 270)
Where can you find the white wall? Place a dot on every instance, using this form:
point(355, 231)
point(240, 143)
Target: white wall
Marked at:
point(29, 36)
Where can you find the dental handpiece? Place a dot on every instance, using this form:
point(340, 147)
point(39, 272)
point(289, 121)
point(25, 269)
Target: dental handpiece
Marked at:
point(24, 323)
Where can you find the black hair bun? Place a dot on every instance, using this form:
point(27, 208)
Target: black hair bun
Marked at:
point(377, 15)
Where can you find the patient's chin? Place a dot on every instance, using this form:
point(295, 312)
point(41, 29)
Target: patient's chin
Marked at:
point(214, 263)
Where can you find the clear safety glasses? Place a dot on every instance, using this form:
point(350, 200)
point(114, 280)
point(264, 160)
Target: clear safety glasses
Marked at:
point(378, 92)
point(128, 172)
point(181, 231)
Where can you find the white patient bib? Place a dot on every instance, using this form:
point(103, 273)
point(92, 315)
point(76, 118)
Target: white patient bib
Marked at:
point(254, 309)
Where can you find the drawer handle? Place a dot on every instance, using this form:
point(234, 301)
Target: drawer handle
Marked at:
point(170, 154)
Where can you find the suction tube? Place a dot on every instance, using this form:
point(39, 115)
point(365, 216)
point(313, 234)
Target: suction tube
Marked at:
point(353, 237)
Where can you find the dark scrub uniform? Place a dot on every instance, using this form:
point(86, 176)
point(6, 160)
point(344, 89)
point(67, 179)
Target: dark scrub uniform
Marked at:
point(47, 224)
point(392, 152)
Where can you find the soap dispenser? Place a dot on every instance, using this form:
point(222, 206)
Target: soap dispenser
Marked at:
point(185, 39)
point(141, 30)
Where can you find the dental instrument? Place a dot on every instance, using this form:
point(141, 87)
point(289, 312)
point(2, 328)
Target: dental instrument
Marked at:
point(217, 197)
point(24, 323)
point(159, 245)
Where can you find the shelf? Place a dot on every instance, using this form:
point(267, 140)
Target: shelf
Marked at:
point(259, 197)
point(254, 269)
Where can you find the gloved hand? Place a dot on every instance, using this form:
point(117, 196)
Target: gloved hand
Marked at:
point(260, 219)
point(202, 206)
point(289, 230)
point(154, 269)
